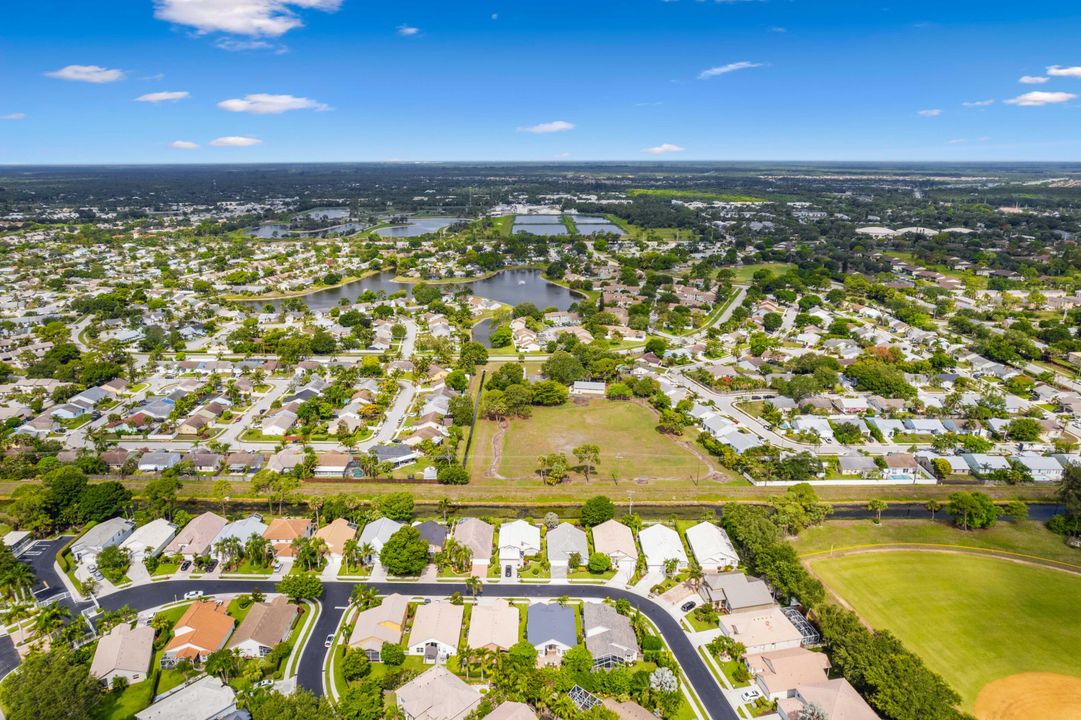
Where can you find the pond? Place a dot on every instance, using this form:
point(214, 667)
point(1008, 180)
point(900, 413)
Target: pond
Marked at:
point(326, 213)
point(278, 230)
point(418, 226)
point(506, 286)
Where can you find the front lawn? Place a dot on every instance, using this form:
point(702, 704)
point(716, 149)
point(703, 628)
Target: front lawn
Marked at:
point(972, 619)
point(124, 705)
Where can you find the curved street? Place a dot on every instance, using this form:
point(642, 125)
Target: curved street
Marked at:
point(335, 600)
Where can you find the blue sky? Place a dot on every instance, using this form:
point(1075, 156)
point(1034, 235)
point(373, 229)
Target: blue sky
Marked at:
point(357, 80)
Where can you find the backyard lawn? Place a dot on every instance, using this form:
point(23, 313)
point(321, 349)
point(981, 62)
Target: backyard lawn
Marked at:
point(972, 619)
point(625, 432)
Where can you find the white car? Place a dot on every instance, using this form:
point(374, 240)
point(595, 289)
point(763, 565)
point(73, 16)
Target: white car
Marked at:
point(329, 641)
point(193, 594)
point(749, 695)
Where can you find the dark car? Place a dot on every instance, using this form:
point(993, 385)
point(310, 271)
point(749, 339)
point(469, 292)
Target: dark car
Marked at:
point(688, 606)
point(185, 565)
point(211, 565)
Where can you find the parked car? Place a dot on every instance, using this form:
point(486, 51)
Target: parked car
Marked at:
point(688, 606)
point(278, 566)
point(269, 682)
point(193, 594)
point(211, 565)
point(329, 640)
point(749, 695)
point(185, 565)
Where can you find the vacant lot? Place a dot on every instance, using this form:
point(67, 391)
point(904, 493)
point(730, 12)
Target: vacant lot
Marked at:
point(625, 432)
point(973, 620)
point(742, 274)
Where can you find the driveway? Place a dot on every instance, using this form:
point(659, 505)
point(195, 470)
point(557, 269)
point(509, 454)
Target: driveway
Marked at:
point(9, 656)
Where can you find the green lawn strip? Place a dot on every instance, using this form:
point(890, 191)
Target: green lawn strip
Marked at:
point(1027, 538)
point(972, 619)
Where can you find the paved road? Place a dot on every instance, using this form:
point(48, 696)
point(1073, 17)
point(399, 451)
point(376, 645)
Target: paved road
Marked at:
point(336, 598)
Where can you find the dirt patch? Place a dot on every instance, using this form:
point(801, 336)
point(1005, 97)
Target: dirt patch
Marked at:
point(1030, 695)
point(497, 450)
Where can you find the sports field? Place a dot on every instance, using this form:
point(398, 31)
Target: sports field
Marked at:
point(624, 431)
point(973, 620)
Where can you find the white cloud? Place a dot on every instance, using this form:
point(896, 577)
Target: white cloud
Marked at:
point(1032, 79)
point(1038, 98)
point(235, 141)
point(13, 116)
point(663, 148)
point(495, 16)
point(1059, 71)
point(931, 112)
point(265, 104)
point(725, 69)
point(87, 73)
point(978, 103)
point(407, 30)
point(778, 29)
point(548, 127)
point(270, 18)
point(234, 45)
point(183, 145)
point(957, 141)
point(157, 97)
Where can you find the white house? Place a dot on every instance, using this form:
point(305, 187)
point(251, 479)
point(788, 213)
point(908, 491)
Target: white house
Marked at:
point(376, 534)
point(436, 630)
point(711, 547)
point(518, 539)
point(660, 544)
point(1042, 469)
point(150, 539)
point(106, 534)
point(584, 387)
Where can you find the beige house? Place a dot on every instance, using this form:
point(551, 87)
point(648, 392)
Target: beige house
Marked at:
point(837, 697)
point(336, 535)
point(779, 672)
point(124, 652)
point(283, 531)
point(511, 710)
point(436, 629)
point(265, 625)
point(197, 536)
point(629, 710)
point(493, 625)
point(615, 540)
point(437, 694)
point(379, 625)
point(761, 630)
point(476, 535)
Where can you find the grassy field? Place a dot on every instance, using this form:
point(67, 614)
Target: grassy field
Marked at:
point(1024, 538)
point(695, 195)
point(625, 432)
point(742, 274)
point(973, 620)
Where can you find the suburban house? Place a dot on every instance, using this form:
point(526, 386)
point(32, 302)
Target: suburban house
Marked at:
point(493, 625)
point(106, 534)
point(434, 533)
point(585, 387)
point(510, 710)
point(281, 532)
point(376, 534)
point(518, 540)
point(265, 625)
point(609, 635)
point(1042, 469)
point(278, 424)
point(396, 454)
point(981, 464)
point(207, 698)
point(627, 709)
point(734, 592)
point(202, 629)
point(336, 535)
point(711, 547)
point(761, 630)
point(124, 652)
point(900, 466)
point(837, 698)
point(150, 539)
point(615, 540)
point(379, 625)
point(156, 462)
point(436, 629)
point(241, 529)
point(777, 673)
point(660, 544)
point(197, 536)
point(437, 694)
point(565, 540)
point(333, 464)
point(476, 535)
point(551, 629)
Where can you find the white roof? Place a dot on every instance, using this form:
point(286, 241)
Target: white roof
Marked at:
point(1039, 462)
point(711, 545)
point(378, 532)
point(205, 698)
point(661, 543)
point(520, 534)
point(152, 536)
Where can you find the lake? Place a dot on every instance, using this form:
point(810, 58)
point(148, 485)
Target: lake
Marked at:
point(418, 226)
point(506, 286)
point(278, 230)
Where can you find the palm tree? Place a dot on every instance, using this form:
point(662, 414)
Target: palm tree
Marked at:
point(486, 659)
point(364, 596)
point(351, 553)
point(367, 553)
point(466, 659)
point(445, 506)
point(316, 504)
point(474, 585)
point(320, 548)
point(694, 574)
point(257, 550)
point(51, 619)
point(933, 506)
